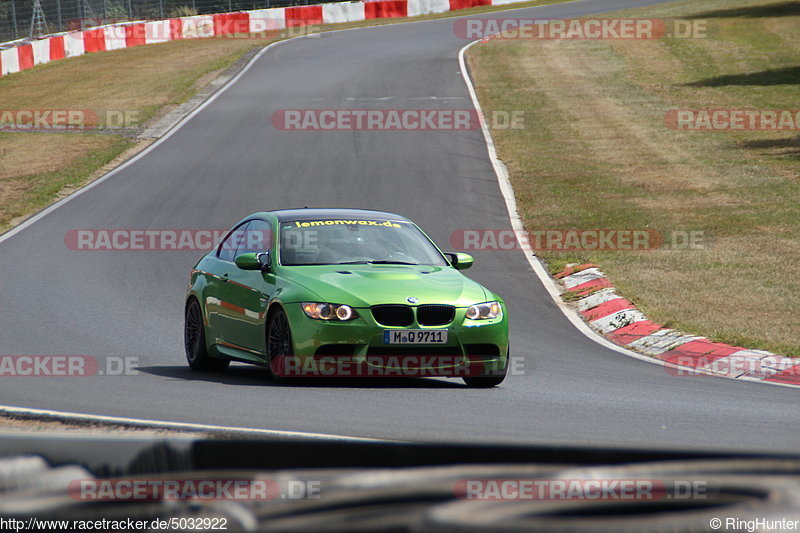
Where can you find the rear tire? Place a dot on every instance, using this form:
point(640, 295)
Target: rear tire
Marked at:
point(194, 341)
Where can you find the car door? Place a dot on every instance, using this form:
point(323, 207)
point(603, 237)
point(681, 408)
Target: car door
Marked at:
point(247, 293)
point(217, 268)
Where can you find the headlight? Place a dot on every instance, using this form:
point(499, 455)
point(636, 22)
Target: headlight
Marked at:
point(325, 311)
point(484, 311)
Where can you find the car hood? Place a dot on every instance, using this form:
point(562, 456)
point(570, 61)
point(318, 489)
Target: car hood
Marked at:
point(367, 285)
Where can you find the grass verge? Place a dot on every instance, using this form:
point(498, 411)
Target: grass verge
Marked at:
point(595, 154)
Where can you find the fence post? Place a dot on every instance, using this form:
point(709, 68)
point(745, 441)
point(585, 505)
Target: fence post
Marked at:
point(14, 17)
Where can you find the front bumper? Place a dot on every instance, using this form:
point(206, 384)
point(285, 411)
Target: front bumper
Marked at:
point(356, 347)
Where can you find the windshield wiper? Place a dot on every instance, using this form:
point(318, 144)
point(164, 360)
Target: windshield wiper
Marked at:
point(388, 262)
point(377, 262)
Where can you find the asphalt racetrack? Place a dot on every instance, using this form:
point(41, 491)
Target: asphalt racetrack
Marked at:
point(229, 161)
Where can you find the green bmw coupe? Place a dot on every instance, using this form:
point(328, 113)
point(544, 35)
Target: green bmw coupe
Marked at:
point(342, 292)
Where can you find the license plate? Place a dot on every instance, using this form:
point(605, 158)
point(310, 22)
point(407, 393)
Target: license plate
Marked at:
point(415, 336)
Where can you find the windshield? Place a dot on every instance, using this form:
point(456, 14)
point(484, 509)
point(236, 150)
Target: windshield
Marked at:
point(355, 241)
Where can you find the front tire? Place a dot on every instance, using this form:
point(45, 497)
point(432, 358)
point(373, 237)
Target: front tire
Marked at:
point(484, 382)
point(489, 381)
point(194, 341)
point(279, 345)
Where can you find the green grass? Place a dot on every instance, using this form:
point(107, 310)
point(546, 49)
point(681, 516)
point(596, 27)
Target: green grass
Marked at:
point(44, 186)
point(25, 194)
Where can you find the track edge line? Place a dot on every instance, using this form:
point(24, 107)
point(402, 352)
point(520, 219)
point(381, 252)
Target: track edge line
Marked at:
point(164, 424)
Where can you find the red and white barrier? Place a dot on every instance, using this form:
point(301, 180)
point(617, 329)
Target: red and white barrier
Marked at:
point(385, 9)
point(20, 56)
point(9, 61)
point(197, 27)
point(303, 16)
point(267, 20)
point(41, 51)
point(425, 7)
point(115, 37)
point(157, 32)
point(73, 44)
point(343, 12)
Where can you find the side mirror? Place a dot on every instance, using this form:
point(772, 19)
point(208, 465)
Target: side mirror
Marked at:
point(460, 261)
point(253, 261)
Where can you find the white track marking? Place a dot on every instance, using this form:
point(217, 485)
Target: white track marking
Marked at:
point(145, 423)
